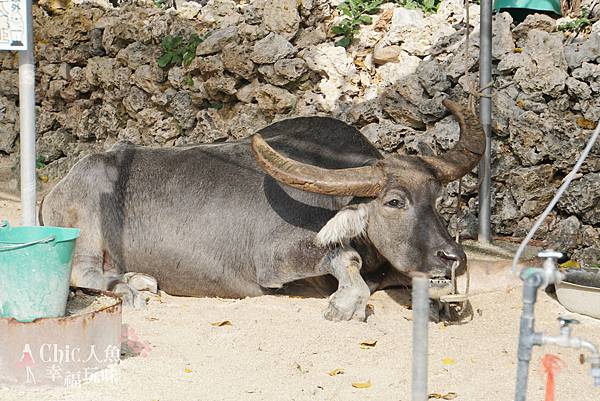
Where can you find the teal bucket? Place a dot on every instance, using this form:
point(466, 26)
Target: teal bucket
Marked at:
point(35, 271)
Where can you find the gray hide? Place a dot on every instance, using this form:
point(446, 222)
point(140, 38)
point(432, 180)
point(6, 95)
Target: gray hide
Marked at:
point(207, 221)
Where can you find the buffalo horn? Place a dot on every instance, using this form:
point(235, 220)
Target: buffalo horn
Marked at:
point(465, 155)
point(365, 181)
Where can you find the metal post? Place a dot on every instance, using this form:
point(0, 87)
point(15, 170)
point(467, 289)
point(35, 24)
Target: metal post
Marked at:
point(27, 124)
point(420, 307)
point(485, 110)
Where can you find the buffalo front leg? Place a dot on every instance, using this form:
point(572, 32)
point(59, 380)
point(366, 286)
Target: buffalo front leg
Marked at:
point(350, 299)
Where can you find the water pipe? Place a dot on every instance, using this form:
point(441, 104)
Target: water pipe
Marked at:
point(534, 279)
point(27, 123)
point(485, 111)
point(420, 307)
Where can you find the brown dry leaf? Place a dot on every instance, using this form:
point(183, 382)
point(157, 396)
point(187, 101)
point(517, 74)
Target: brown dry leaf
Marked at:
point(384, 20)
point(520, 104)
point(366, 384)
point(44, 178)
point(368, 344)
point(336, 372)
point(221, 323)
point(518, 50)
point(585, 123)
point(151, 318)
point(438, 396)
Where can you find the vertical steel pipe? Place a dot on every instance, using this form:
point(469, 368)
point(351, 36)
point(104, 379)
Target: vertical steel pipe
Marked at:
point(27, 124)
point(485, 110)
point(420, 307)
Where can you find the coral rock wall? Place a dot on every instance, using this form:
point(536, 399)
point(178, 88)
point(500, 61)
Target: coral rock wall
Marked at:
point(98, 81)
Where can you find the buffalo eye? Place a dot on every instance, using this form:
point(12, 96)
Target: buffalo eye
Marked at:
point(396, 203)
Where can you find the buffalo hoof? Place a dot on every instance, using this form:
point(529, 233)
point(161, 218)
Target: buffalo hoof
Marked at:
point(131, 297)
point(348, 304)
point(141, 282)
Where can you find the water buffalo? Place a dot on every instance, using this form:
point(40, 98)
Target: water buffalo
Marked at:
point(304, 197)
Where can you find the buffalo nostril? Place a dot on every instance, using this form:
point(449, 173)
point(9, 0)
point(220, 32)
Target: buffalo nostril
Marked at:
point(448, 255)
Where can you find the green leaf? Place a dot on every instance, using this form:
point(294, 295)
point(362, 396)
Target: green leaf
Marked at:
point(345, 9)
point(164, 60)
point(338, 29)
point(188, 80)
point(344, 42)
point(176, 59)
point(365, 19)
point(166, 42)
point(188, 57)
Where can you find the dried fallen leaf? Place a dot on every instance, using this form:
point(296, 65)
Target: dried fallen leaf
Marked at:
point(585, 123)
point(151, 318)
point(518, 50)
point(187, 370)
point(447, 396)
point(221, 323)
point(448, 361)
point(570, 264)
point(520, 104)
point(366, 384)
point(300, 368)
point(368, 344)
point(336, 372)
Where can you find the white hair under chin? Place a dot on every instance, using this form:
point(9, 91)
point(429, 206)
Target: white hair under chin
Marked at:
point(348, 223)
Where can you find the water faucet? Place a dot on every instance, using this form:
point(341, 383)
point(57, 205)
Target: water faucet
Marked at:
point(534, 279)
point(566, 340)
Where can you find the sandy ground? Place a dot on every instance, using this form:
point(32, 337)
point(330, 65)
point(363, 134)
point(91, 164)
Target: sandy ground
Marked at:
point(280, 348)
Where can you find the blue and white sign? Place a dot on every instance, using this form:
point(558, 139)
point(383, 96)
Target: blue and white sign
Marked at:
point(13, 32)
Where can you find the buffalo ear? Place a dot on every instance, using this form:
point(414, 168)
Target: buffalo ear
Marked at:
point(348, 223)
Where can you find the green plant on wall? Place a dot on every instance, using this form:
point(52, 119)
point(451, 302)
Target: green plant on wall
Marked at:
point(428, 6)
point(577, 24)
point(177, 51)
point(356, 13)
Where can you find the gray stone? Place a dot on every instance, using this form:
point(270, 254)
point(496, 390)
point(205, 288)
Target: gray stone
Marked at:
point(271, 48)
point(583, 199)
point(9, 116)
point(236, 59)
point(183, 110)
point(136, 55)
point(148, 78)
point(53, 145)
point(245, 119)
point(502, 38)
point(578, 89)
point(135, 101)
point(446, 132)
point(220, 85)
point(217, 41)
point(291, 69)
point(587, 51)
point(566, 236)
point(280, 16)
point(395, 72)
point(401, 102)
point(268, 97)
point(531, 188)
point(540, 22)
point(9, 82)
point(432, 77)
point(311, 36)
